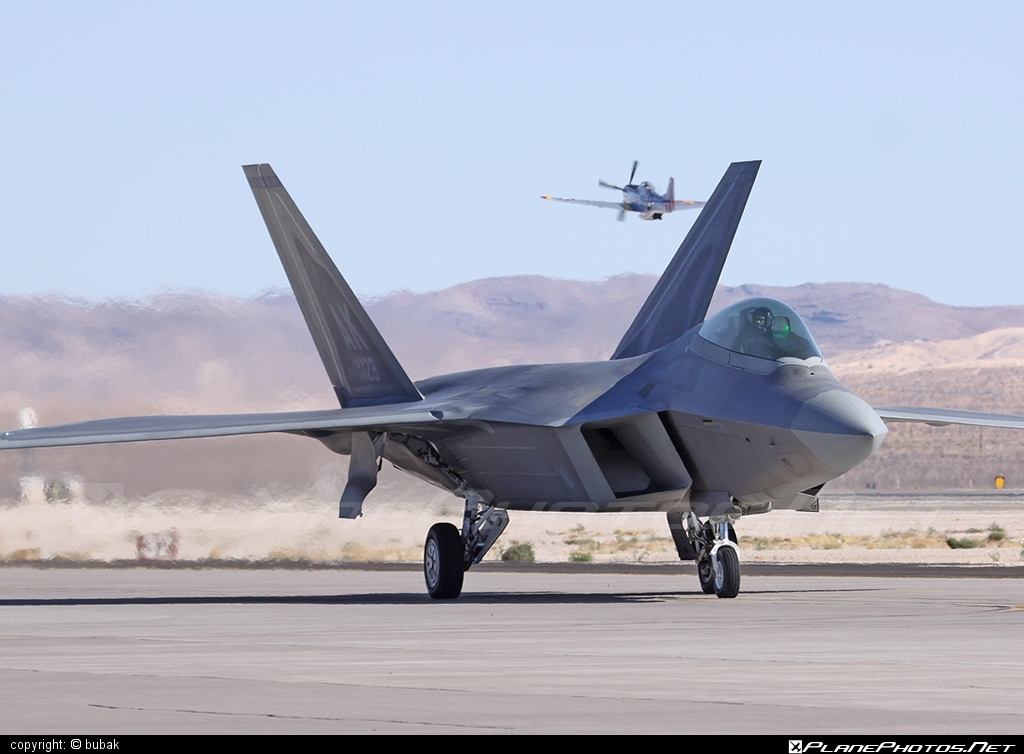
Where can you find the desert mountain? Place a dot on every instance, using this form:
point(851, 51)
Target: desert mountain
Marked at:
point(194, 353)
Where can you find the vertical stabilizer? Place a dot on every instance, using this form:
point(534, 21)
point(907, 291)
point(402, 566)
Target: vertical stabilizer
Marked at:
point(682, 295)
point(359, 363)
point(671, 193)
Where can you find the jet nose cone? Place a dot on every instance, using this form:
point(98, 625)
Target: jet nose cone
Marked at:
point(840, 429)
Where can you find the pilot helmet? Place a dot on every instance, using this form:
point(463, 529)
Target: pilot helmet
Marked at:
point(761, 318)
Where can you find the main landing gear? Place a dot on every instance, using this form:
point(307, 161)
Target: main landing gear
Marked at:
point(449, 553)
point(443, 564)
point(713, 545)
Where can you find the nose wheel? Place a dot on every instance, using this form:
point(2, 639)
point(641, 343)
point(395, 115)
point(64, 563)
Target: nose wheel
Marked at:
point(713, 545)
point(706, 574)
point(727, 572)
point(719, 572)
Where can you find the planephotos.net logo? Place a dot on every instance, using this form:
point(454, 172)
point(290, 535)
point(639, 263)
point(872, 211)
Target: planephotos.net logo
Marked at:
point(798, 746)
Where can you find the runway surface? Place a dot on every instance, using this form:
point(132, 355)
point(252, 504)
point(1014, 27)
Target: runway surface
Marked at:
point(136, 650)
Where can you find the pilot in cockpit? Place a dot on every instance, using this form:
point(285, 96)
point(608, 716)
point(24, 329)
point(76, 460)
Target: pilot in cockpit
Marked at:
point(756, 332)
point(765, 335)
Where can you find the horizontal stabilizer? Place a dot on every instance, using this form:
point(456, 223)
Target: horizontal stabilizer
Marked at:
point(686, 204)
point(681, 297)
point(359, 363)
point(942, 416)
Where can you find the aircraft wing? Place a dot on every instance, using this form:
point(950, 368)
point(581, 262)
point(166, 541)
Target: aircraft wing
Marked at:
point(588, 202)
point(939, 417)
point(139, 428)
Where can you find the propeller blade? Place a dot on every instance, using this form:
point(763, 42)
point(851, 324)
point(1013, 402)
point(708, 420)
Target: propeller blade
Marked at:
point(610, 185)
point(622, 215)
point(633, 171)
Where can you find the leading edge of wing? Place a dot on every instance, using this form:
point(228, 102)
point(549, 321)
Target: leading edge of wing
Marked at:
point(141, 428)
point(942, 416)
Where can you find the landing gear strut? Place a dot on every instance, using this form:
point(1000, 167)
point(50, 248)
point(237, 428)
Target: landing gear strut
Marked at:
point(448, 554)
point(713, 545)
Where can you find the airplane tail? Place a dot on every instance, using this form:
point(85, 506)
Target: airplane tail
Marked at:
point(671, 193)
point(361, 367)
point(682, 295)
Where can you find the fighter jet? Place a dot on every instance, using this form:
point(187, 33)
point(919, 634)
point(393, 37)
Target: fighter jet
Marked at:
point(705, 420)
point(638, 197)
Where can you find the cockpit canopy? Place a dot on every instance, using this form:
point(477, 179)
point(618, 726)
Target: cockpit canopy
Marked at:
point(761, 327)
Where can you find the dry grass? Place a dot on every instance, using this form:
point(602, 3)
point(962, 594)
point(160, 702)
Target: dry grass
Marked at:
point(905, 540)
point(634, 544)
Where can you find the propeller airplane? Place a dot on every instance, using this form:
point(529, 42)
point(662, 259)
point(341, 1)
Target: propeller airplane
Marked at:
point(638, 197)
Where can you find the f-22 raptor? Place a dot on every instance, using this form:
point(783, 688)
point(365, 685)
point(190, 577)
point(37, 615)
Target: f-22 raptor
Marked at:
point(706, 420)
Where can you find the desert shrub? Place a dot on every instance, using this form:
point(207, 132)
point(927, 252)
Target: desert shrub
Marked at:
point(518, 552)
point(578, 556)
point(57, 491)
point(963, 543)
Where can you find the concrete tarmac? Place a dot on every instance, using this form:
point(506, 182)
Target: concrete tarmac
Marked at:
point(135, 650)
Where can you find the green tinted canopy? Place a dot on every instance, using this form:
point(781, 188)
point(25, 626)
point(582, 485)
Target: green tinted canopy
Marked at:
point(761, 327)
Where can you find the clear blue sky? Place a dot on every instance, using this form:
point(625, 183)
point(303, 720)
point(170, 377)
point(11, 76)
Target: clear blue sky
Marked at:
point(417, 138)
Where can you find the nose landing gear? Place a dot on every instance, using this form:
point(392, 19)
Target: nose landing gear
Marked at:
point(713, 546)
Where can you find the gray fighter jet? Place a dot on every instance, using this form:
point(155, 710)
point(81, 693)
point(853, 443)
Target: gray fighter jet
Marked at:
point(706, 421)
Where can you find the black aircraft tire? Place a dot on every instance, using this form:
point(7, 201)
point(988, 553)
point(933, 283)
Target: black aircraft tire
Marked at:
point(706, 575)
point(443, 562)
point(727, 575)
